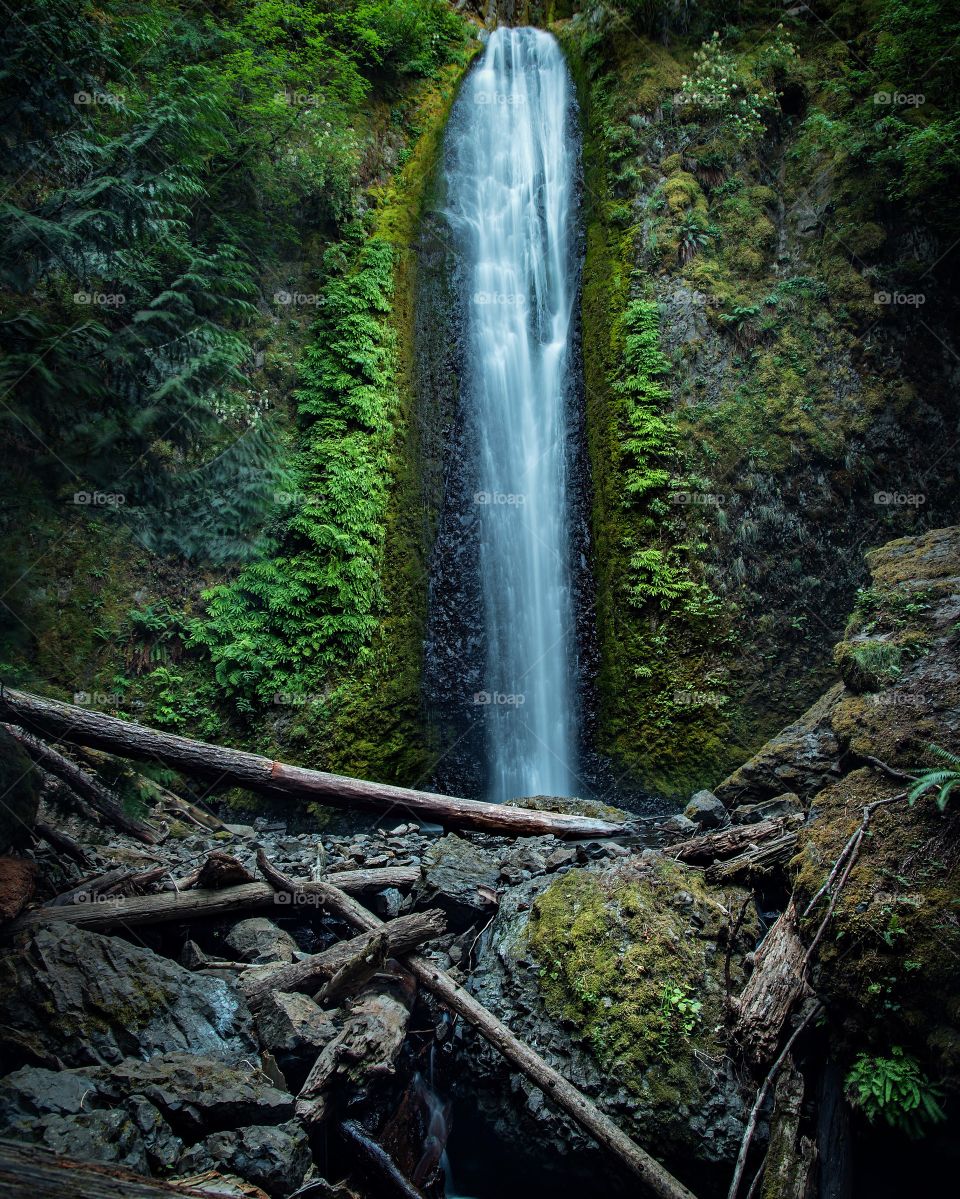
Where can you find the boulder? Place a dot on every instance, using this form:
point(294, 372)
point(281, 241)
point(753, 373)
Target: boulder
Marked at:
point(258, 940)
point(802, 759)
point(275, 1157)
point(706, 811)
point(788, 804)
point(461, 878)
point(198, 1095)
point(86, 999)
point(615, 973)
point(293, 1029)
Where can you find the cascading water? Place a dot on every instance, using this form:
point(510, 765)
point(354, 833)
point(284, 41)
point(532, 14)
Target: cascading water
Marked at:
point(511, 198)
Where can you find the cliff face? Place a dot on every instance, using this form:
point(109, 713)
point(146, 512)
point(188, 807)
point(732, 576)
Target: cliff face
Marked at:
point(888, 969)
point(769, 363)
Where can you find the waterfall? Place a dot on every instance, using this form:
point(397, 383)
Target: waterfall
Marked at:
point(511, 171)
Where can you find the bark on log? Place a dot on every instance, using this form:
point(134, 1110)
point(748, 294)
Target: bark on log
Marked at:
point(555, 1087)
point(62, 843)
point(712, 847)
point(768, 998)
point(399, 936)
point(234, 767)
point(760, 857)
point(42, 1174)
point(377, 1160)
point(196, 905)
point(85, 785)
point(791, 1157)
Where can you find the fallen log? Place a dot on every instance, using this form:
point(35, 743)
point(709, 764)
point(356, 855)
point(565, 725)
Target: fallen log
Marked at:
point(43, 1174)
point(778, 978)
point(712, 847)
point(237, 768)
point(92, 885)
point(85, 785)
point(759, 857)
point(378, 1161)
point(398, 936)
point(62, 843)
point(105, 912)
point(555, 1087)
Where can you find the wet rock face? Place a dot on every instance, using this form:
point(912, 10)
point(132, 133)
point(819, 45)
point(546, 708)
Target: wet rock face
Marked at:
point(615, 975)
point(801, 759)
point(149, 1116)
point(461, 878)
point(87, 999)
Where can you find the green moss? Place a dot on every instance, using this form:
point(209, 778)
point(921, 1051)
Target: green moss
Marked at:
point(625, 959)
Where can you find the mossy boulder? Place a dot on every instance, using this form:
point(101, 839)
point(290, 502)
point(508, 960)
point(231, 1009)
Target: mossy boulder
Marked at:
point(617, 971)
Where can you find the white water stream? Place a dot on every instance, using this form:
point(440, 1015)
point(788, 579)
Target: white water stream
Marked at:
point(511, 188)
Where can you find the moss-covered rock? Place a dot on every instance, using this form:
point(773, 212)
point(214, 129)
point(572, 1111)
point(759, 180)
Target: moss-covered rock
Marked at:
point(620, 971)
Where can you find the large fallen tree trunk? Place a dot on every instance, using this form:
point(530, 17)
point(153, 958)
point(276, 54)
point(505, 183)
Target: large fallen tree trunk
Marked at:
point(85, 785)
point(712, 847)
point(754, 860)
point(236, 768)
point(43, 1174)
point(778, 978)
point(398, 936)
point(555, 1087)
point(104, 912)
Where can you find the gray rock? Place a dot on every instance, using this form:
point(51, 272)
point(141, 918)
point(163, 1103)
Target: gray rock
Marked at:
point(788, 804)
point(197, 1095)
point(294, 1030)
point(275, 1157)
point(257, 939)
point(680, 824)
point(460, 878)
point(705, 810)
point(89, 999)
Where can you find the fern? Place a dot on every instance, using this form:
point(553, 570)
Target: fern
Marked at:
point(943, 780)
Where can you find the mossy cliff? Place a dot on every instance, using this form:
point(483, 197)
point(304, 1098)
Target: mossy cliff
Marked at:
point(756, 412)
point(886, 969)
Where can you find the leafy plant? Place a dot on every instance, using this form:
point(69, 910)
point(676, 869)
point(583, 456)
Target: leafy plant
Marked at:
point(942, 780)
point(896, 1090)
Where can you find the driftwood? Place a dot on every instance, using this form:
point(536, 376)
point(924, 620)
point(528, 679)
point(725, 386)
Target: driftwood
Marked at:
point(195, 905)
point(555, 1087)
point(378, 1161)
point(777, 980)
point(59, 841)
point(788, 1168)
point(726, 842)
point(396, 937)
point(95, 884)
point(233, 767)
point(42, 1174)
point(85, 785)
point(754, 860)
